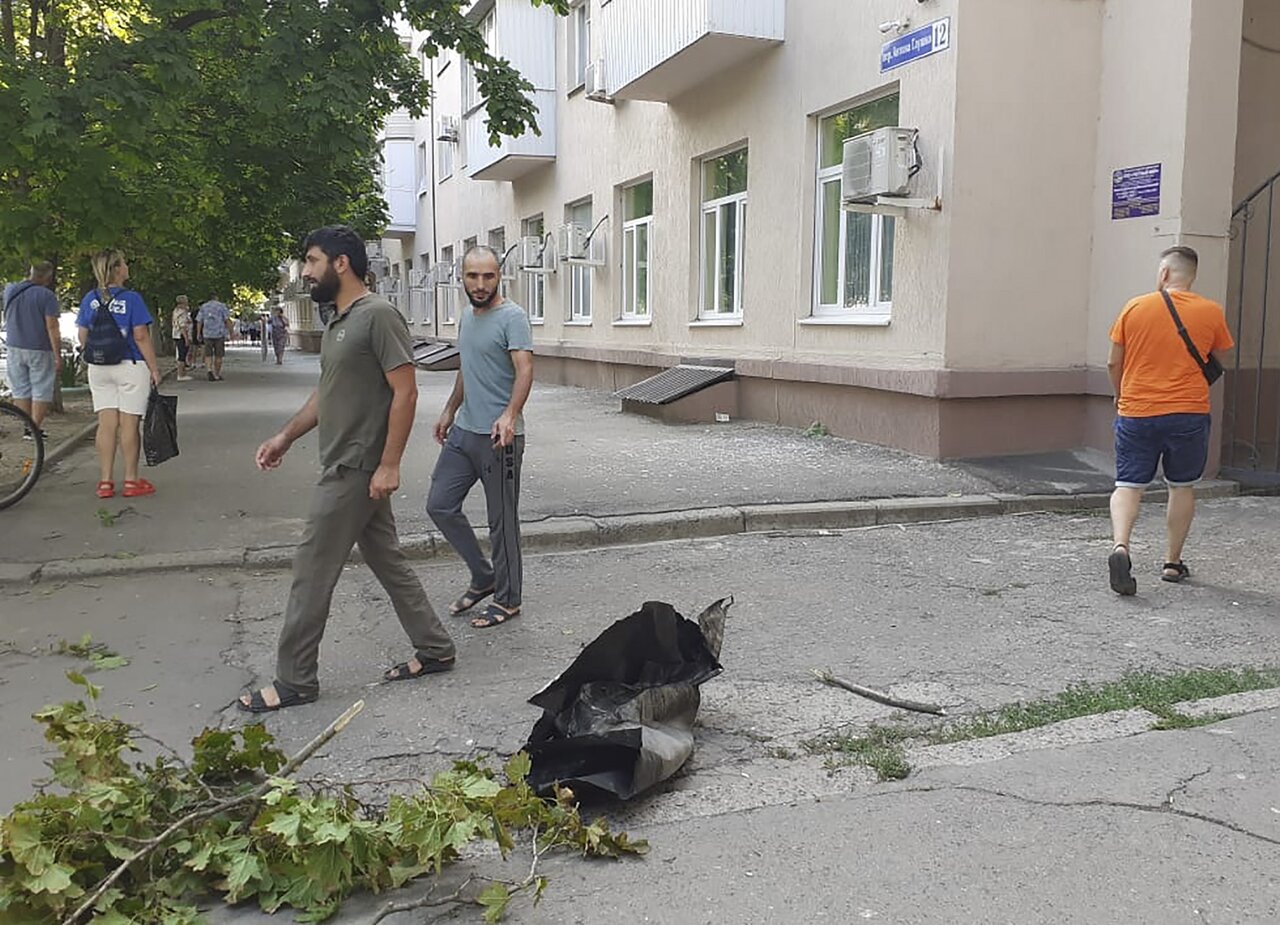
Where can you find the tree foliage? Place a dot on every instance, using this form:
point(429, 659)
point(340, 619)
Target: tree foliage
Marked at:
point(232, 822)
point(205, 137)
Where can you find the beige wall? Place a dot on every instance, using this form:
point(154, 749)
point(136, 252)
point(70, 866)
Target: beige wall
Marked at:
point(1026, 131)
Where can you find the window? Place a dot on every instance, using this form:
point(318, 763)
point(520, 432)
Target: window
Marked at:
point(724, 229)
point(444, 159)
point(498, 241)
point(445, 294)
point(579, 45)
point(420, 298)
point(420, 163)
point(637, 222)
point(579, 275)
point(535, 284)
point(471, 98)
point(854, 251)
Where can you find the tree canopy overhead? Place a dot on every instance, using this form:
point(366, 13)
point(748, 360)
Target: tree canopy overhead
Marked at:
point(205, 137)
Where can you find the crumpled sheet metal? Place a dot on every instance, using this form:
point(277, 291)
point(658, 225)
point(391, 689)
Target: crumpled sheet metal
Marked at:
point(620, 718)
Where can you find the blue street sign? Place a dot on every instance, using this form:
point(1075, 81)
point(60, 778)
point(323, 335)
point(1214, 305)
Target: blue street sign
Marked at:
point(1135, 191)
point(916, 44)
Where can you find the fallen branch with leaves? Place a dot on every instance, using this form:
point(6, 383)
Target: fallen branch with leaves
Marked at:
point(826, 677)
point(118, 843)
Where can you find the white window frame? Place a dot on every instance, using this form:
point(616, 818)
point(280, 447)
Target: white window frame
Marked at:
point(471, 98)
point(446, 311)
point(578, 293)
point(711, 212)
point(579, 45)
point(535, 284)
point(423, 169)
point(631, 230)
point(876, 311)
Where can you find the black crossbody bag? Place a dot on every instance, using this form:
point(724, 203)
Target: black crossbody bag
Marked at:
point(1211, 368)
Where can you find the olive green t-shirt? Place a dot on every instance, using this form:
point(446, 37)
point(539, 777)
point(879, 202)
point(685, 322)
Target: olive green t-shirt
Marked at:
point(359, 348)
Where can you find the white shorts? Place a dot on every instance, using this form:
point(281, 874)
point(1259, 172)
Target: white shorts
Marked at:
point(124, 387)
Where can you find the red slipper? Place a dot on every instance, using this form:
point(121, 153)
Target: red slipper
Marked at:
point(138, 488)
point(106, 489)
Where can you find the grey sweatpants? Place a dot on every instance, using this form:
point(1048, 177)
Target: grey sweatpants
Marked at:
point(342, 515)
point(465, 459)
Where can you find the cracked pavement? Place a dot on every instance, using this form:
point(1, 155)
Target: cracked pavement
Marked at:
point(1165, 827)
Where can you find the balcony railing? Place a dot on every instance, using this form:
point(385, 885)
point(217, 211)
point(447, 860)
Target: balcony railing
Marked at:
point(660, 49)
point(514, 157)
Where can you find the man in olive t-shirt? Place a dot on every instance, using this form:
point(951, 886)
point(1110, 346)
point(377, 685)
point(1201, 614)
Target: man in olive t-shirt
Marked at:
point(364, 409)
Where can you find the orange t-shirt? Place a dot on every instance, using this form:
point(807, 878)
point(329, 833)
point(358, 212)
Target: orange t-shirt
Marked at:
point(1159, 375)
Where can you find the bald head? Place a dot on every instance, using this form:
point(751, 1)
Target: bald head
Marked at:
point(1178, 267)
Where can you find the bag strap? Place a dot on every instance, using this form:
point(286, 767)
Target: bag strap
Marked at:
point(1182, 332)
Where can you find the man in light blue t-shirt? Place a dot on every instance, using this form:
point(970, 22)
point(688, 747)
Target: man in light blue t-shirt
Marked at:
point(34, 341)
point(213, 323)
point(482, 433)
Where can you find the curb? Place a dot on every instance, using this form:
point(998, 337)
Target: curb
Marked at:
point(562, 534)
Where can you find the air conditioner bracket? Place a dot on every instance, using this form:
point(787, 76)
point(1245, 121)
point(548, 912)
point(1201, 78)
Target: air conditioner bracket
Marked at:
point(893, 205)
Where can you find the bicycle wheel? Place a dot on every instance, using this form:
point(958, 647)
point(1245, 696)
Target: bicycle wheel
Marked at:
point(21, 454)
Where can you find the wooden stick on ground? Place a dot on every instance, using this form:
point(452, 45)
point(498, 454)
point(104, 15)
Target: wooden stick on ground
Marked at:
point(201, 814)
point(826, 677)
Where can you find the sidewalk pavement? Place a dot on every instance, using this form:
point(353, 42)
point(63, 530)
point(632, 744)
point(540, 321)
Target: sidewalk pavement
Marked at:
point(592, 476)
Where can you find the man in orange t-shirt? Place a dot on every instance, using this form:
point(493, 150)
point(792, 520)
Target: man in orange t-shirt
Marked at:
point(1162, 407)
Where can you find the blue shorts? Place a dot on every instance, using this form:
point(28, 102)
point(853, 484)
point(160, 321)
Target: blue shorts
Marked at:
point(1179, 443)
point(31, 373)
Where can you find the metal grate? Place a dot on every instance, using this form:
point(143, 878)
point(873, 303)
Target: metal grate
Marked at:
point(674, 383)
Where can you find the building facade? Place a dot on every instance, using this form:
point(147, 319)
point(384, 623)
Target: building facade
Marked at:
point(686, 199)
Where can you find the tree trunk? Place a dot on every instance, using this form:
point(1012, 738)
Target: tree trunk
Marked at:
point(7, 33)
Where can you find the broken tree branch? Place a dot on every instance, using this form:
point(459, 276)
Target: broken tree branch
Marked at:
point(826, 677)
point(198, 815)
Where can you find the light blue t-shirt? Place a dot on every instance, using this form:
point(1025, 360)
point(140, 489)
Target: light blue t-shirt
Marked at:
point(485, 342)
point(26, 306)
point(216, 318)
point(128, 310)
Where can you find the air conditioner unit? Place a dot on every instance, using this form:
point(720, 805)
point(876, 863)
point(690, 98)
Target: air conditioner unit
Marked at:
point(879, 163)
point(597, 87)
point(380, 267)
point(447, 129)
point(417, 279)
point(571, 241)
point(457, 269)
point(443, 273)
point(529, 252)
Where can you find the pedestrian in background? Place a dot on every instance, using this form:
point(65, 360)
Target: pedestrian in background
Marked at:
point(181, 331)
point(1162, 348)
point(33, 340)
point(279, 334)
point(214, 322)
point(364, 409)
point(120, 391)
point(482, 434)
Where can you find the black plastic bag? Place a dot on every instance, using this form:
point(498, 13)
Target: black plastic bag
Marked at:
point(160, 428)
point(620, 718)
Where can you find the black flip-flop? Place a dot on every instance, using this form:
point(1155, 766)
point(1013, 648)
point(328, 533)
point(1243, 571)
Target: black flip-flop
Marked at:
point(469, 599)
point(493, 616)
point(1121, 568)
point(1179, 567)
point(288, 698)
point(428, 666)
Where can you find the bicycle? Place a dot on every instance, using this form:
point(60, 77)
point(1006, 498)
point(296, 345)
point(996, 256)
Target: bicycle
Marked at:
point(21, 454)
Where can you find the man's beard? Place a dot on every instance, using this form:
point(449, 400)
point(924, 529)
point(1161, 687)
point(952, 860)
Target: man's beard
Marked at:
point(326, 288)
point(486, 302)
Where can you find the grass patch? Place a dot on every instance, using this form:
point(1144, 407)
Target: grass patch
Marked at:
point(1150, 691)
point(883, 748)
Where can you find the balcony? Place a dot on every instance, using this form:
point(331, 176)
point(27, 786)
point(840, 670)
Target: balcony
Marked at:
point(660, 49)
point(399, 187)
point(514, 157)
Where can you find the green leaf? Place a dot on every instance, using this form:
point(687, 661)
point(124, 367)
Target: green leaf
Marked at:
point(286, 826)
point(518, 767)
point(55, 878)
point(243, 869)
point(494, 898)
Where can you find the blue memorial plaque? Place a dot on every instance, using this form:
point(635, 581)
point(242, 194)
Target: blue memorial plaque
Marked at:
point(916, 44)
point(1135, 191)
